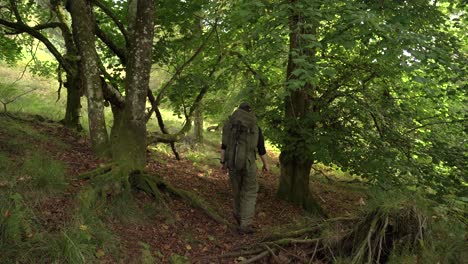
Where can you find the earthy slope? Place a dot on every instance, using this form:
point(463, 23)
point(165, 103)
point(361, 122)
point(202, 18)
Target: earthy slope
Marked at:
point(157, 232)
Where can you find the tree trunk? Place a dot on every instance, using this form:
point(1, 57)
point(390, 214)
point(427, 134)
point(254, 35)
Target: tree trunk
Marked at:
point(83, 32)
point(129, 130)
point(73, 83)
point(198, 124)
point(73, 108)
point(295, 165)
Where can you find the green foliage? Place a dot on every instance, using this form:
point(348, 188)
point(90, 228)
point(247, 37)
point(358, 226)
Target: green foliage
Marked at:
point(6, 166)
point(384, 81)
point(45, 172)
point(14, 223)
point(441, 232)
point(76, 246)
point(10, 51)
point(29, 94)
point(146, 256)
point(21, 239)
point(89, 229)
point(125, 208)
point(178, 259)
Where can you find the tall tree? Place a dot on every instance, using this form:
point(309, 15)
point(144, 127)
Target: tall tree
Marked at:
point(352, 65)
point(39, 20)
point(299, 106)
point(83, 32)
point(129, 130)
point(366, 83)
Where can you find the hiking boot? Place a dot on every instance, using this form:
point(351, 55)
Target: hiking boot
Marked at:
point(246, 230)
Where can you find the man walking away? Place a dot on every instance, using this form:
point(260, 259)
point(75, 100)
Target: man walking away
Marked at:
point(241, 138)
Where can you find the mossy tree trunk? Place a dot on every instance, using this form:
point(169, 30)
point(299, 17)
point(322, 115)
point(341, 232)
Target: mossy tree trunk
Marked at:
point(129, 130)
point(198, 124)
point(73, 83)
point(83, 32)
point(295, 163)
point(73, 108)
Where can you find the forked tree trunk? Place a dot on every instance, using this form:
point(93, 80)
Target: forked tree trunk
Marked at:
point(83, 31)
point(295, 165)
point(129, 131)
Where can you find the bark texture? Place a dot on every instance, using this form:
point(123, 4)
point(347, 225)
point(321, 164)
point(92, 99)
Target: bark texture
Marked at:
point(295, 166)
point(73, 108)
point(83, 32)
point(73, 83)
point(129, 131)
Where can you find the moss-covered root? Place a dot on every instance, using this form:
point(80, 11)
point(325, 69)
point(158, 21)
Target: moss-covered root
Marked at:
point(152, 185)
point(103, 169)
point(197, 201)
point(146, 183)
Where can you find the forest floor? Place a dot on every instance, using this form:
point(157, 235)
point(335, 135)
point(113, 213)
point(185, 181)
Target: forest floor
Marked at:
point(177, 231)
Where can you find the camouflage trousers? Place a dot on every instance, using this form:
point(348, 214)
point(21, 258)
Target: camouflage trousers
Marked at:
point(244, 187)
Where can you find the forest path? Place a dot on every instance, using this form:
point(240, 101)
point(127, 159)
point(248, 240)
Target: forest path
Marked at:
point(179, 230)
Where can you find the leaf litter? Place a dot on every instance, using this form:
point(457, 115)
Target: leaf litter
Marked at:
point(190, 232)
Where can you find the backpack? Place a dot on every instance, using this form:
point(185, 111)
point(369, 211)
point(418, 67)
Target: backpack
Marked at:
point(240, 136)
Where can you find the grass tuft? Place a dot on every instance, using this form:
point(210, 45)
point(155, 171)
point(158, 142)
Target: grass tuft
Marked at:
point(46, 173)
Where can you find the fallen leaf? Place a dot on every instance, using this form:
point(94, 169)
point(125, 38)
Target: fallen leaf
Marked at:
point(361, 201)
point(188, 247)
point(7, 213)
point(3, 184)
point(240, 259)
point(23, 178)
point(100, 253)
point(83, 227)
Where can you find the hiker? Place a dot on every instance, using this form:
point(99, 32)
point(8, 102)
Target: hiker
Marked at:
point(241, 138)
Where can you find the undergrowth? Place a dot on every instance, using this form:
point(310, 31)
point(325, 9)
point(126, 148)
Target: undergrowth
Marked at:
point(45, 172)
point(401, 226)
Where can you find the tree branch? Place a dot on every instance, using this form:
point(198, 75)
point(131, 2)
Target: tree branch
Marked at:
point(38, 27)
point(437, 123)
point(118, 51)
point(110, 93)
point(22, 28)
point(47, 25)
point(182, 67)
point(170, 138)
point(111, 14)
point(160, 121)
point(16, 12)
point(262, 80)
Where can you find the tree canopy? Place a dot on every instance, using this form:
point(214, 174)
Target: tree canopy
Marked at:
point(375, 88)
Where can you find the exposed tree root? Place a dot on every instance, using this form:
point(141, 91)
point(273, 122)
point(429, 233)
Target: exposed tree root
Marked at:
point(234, 254)
point(293, 233)
point(96, 172)
point(370, 238)
point(152, 185)
point(256, 258)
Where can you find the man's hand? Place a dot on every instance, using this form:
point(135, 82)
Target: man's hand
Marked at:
point(224, 168)
point(265, 167)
